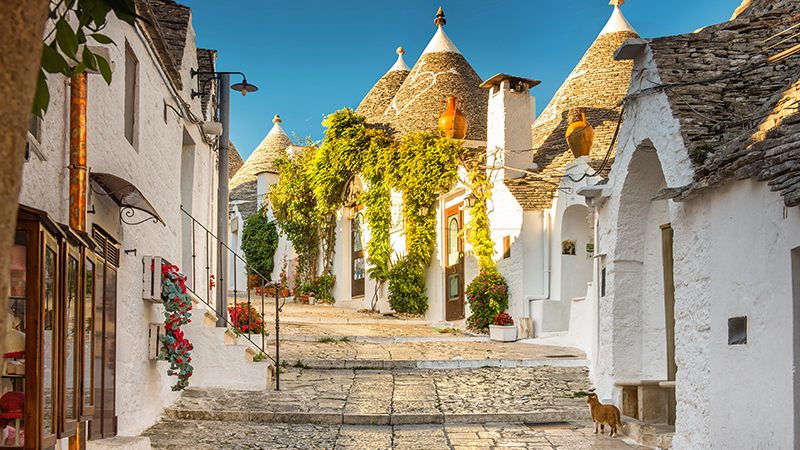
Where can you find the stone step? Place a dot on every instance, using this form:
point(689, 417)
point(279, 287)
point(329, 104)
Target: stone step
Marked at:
point(651, 435)
point(447, 364)
point(313, 418)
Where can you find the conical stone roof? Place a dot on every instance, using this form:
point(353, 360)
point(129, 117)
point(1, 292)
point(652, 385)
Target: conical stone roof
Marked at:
point(380, 96)
point(596, 85)
point(244, 185)
point(440, 72)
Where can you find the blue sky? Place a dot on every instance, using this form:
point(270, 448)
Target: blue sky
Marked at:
point(312, 57)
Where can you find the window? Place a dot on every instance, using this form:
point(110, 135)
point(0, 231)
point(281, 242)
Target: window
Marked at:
point(131, 94)
point(506, 247)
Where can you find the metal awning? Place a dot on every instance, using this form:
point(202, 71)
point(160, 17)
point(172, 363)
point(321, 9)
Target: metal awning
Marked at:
point(129, 198)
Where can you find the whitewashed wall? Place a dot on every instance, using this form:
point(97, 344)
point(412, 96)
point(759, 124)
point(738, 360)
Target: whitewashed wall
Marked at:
point(154, 166)
point(629, 325)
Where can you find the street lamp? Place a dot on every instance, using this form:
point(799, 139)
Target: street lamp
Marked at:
point(224, 106)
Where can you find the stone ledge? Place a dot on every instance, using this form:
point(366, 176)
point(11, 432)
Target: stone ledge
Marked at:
point(450, 364)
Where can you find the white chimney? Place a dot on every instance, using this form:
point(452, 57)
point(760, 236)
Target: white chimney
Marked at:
point(511, 113)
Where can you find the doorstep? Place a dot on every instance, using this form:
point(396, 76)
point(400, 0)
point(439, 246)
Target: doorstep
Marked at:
point(120, 443)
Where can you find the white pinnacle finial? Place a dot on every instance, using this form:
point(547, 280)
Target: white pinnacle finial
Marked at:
point(400, 64)
point(277, 119)
point(617, 22)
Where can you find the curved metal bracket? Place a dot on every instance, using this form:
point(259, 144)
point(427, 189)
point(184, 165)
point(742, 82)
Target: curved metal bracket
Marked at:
point(129, 212)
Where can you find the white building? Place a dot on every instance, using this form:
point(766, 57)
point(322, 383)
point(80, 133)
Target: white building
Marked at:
point(698, 237)
point(147, 158)
point(532, 213)
point(248, 195)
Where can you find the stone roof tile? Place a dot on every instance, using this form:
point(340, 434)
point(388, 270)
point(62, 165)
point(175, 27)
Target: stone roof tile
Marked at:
point(738, 109)
point(597, 85)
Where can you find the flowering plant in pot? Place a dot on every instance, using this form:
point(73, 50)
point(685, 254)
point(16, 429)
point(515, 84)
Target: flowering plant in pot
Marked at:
point(487, 295)
point(246, 320)
point(502, 328)
point(175, 347)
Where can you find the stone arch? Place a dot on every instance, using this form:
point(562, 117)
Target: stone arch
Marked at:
point(636, 278)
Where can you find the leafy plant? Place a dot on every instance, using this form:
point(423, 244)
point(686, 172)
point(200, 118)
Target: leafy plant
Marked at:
point(487, 295)
point(322, 286)
point(407, 292)
point(245, 319)
point(66, 49)
point(259, 243)
point(260, 357)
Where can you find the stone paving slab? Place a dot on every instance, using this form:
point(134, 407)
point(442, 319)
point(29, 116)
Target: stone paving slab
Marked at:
point(203, 435)
point(540, 394)
point(296, 352)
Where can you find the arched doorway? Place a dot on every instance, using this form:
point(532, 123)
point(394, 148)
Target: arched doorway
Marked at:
point(643, 348)
point(576, 252)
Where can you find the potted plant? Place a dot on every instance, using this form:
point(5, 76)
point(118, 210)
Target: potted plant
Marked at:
point(503, 329)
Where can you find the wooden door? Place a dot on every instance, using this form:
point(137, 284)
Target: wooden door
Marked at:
point(104, 421)
point(358, 265)
point(454, 263)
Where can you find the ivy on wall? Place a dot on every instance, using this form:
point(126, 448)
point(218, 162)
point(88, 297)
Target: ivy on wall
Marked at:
point(422, 166)
point(294, 206)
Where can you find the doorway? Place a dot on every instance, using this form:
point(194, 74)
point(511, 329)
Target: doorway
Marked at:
point(454, 263)
point(358, 266)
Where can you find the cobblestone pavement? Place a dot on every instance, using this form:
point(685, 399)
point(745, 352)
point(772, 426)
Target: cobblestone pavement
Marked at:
point(422, 393)
point(203, 435)
point(294, 351)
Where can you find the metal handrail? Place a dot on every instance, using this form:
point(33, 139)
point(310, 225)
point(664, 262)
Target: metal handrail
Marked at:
point(266, 282)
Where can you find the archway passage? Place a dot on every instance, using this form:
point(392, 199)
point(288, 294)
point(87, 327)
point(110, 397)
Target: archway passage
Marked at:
point(643, 345)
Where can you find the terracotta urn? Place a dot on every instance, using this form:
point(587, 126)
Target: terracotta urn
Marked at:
point(580, 135)
point(453, 121)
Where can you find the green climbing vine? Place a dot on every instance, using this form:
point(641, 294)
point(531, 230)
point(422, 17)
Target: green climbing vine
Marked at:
point(314, 186)
point(480, 185)
point(294, 206)
point(423, 166)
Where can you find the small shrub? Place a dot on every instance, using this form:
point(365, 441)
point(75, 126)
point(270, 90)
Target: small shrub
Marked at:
point(407, 288)
point(487, 295)
point(502, 320)
point(259, 243)
point(246, 319)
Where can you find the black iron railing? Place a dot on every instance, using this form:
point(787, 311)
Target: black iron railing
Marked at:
point(209, 242)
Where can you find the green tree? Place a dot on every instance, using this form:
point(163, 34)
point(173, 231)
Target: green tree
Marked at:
point(259, 243)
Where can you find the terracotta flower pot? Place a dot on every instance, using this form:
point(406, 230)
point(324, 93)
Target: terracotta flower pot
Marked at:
point(453, 121)
point(580, 134)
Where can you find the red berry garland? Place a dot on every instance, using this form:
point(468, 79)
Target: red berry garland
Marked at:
point(176, 349)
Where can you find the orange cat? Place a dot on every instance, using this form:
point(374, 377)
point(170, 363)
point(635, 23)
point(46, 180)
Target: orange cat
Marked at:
point(603, 415)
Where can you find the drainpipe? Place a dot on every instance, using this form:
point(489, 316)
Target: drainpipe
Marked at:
point(77, 151)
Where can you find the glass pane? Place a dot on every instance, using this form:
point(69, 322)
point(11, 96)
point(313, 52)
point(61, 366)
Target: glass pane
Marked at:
point(70, 318)
point(452, 241)
point(97, 344)
point(12, 383)
point(358, 269)
point(88, 329)
point(452, 287)
point(110, 354)
point(49, 299)
point(358, 240)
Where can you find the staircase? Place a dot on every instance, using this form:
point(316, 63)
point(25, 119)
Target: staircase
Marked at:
point(218, 352)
